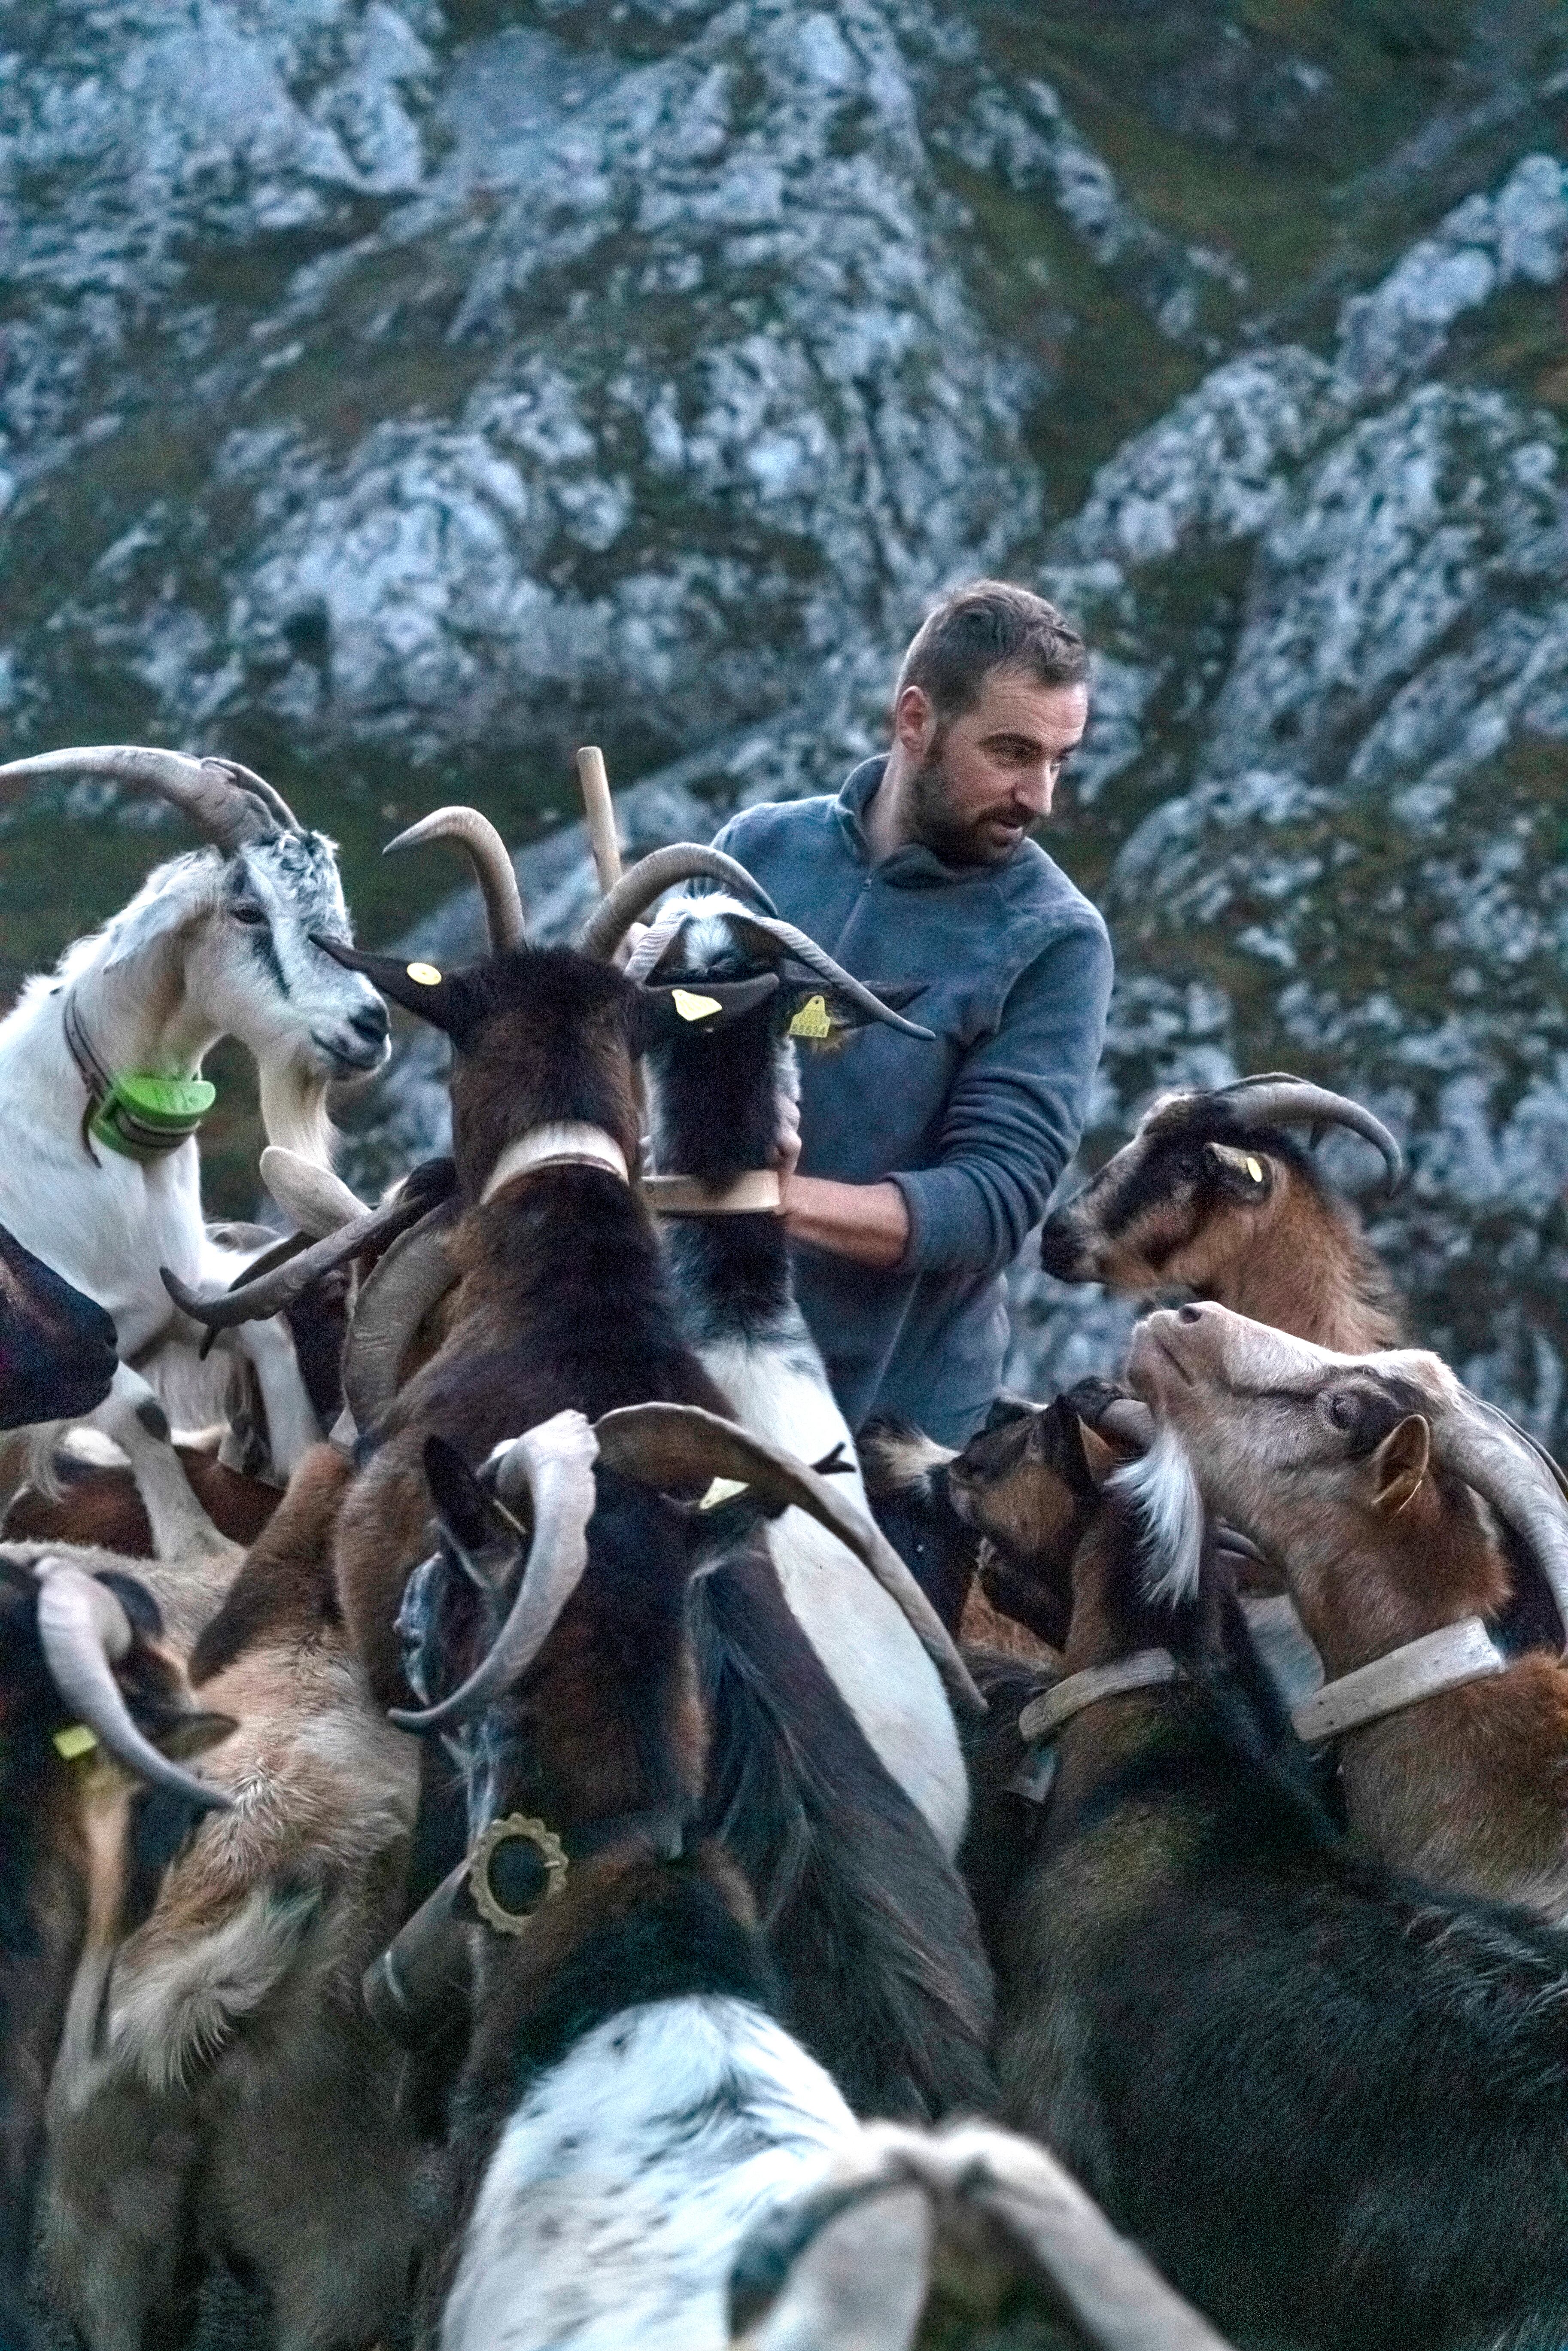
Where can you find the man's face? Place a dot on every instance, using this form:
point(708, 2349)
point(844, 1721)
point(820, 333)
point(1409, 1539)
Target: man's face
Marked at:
point(979, 783)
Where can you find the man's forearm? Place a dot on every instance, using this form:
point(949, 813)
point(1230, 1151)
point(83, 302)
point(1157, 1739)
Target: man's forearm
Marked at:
point(868, 1222)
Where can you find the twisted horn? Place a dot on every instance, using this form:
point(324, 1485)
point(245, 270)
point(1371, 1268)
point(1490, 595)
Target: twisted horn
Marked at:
point(413, 1275)
point(1523, 1485)
point(83, 1630)
point(1276, 1098)
point(231, 812)
point(806, 950)
point(319, 1202)
point(635, 891)
point(677, 1444)
point(556, 1461)
point(492, 868)
point(269, 1292)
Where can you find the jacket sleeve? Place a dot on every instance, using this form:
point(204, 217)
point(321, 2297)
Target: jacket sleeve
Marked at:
point(1015, 1113)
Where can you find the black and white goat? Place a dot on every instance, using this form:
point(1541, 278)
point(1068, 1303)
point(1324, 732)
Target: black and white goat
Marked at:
point(715, 1094)
point(563, 1300)
point(630, 2101)
point(219, 942)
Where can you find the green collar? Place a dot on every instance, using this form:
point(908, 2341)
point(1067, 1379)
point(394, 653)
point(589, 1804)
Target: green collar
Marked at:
point(138, 1117)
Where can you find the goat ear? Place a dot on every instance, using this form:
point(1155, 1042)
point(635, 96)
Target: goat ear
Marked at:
point(1399, 1465)
point(466, 1512)
point(704, 1008)
point(168, 911)
point(1100, 1459)
point(1244, 1174)
point(417, 986)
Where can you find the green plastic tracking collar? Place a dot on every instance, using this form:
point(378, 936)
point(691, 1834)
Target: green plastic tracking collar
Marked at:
point(146, 1118)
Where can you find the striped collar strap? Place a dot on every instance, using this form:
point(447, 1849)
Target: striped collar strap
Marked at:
point(1439, 1661)
point(569, 1142)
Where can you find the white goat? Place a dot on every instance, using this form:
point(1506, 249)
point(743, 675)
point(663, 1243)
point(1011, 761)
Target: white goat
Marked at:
point(216, 943)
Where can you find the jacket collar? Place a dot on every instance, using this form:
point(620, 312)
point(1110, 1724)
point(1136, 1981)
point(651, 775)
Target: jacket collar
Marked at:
point(911, 867)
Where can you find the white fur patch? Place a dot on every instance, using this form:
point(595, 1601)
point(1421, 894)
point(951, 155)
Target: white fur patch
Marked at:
point(614, 2205)
point(1163, 1489)
point(871, 1652)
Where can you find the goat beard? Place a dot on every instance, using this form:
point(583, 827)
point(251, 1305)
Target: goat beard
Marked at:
point(294, 1111)
point(1163, 1488)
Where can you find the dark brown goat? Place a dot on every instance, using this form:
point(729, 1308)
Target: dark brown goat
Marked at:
point(100, 1508)
point(90, 1694)
point(1326, 2099)
point(563, 1301)
point(1214, 1196)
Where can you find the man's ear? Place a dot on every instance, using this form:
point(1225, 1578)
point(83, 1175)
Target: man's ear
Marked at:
point(1399, 1465)
point(701, 1009)
point(1242, 1175)
point(914, 720)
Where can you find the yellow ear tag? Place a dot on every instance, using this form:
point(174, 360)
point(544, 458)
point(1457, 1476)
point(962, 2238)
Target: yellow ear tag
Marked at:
point(811, 1020)
point(1255, 1171)
point(694, 1007)
point(723, 1489)
point(75, 1739)
point(423, 975)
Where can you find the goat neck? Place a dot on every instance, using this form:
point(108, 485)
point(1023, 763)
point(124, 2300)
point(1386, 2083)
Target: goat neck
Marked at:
point(1302, 1264)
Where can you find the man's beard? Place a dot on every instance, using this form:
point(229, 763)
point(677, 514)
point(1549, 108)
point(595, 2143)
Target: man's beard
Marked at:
point(957, 841)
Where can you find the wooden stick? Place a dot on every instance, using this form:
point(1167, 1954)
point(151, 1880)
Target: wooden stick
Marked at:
point(600, 810)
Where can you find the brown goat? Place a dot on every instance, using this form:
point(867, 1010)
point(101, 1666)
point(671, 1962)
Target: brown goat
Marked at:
point(236, 2098)
point(1214, 1196)
point(1357, 1475)
point(100, 1508)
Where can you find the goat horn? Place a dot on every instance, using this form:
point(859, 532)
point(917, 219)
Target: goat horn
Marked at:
point(248, 781)
point(1521, 1482)
point(414, 1274)
point(319, 1202)
point(269, 1292)
point(677, 1444)
point(806, 950)
point(229, 812)
point(1276, 1099)
point(635, 891)
point(556, 1462)
point(83, 1632)
point(492, 868)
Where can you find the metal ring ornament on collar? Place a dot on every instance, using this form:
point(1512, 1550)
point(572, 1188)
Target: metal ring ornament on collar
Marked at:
point(515, 1828)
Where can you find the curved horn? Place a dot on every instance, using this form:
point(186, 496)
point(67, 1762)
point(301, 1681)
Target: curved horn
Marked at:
point(269, 1292)
point(229, 812)
point(414, 1274)
point(557, 1463)
point(83, 1630)
point(805, 950)
point(319, 1202)
point(1278, 1099)
point(635, 891)
point(268, 794)
point(679, 1444)
point(1523, 1484)
point(492, 868)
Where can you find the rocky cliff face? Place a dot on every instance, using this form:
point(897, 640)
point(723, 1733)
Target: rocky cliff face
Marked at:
point(393, 395)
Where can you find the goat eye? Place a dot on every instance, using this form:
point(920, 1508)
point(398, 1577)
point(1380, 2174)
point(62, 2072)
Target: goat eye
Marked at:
point(1341, 1411)
point(245, 909)
point(1186, 1163)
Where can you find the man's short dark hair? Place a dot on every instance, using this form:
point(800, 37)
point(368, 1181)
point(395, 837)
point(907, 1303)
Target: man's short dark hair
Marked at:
point(987, 626)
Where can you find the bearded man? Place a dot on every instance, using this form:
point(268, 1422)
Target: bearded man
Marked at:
point(919, 1168)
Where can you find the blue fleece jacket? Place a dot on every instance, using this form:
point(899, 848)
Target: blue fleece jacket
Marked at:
point(975, 1130)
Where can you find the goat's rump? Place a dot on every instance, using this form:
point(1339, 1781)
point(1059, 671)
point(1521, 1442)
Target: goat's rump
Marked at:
point(870, 1925)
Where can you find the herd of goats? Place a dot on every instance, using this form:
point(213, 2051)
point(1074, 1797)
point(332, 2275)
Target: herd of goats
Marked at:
point(515, 1832)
